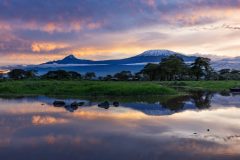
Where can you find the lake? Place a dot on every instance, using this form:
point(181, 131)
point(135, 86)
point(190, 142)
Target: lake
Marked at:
point(199, 126)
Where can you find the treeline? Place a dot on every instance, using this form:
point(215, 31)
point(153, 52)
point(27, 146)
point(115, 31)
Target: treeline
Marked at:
point(18, 74)
point(174, 68)
point(171, 68)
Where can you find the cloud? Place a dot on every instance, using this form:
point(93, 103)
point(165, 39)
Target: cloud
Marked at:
point(43, 47)
point(47, 120)
point(55, 15)
point(236, 27)
point(112, 26)
point(11, 43)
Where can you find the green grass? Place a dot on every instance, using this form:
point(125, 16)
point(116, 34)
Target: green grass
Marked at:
point(83, 88)
point(102, 88)
point(214, 86)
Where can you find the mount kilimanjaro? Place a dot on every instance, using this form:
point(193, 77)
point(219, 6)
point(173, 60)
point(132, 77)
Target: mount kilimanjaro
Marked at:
point(151, 56)
point(133, 64)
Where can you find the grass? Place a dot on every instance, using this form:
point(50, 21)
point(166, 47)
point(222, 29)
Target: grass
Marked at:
point(213, 86)
point(83, 88)
point(102, 88)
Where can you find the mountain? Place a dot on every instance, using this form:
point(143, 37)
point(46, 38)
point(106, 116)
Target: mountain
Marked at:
point(133, 64)
point(71, 59)
point(156, 53)
point(105, 67)
point(151, 56)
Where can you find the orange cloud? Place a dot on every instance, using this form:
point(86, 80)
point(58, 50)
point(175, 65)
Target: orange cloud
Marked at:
point(50, 27)
point(47, 120)
point(130, 115)
point(45, 46)
point(58, 27)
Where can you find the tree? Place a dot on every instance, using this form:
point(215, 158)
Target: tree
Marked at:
point(228, 74)
point(107, 78)
point(224, 71)
point(235, 74)
point(59, 75)
point(172, 68)
point(30, 74)
point(62, 75)
point(234, 71)
point(90, 75)
point(201, 67)
point(123, 76)
point(225, 74)
point(150, 70)
point(74, 75)
point(17, 74)
point(21, 74)
point(138, 76)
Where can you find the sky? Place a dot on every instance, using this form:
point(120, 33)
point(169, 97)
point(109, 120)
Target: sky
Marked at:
point(36, 31)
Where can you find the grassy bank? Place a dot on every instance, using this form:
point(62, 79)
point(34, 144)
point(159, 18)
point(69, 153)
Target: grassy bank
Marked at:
point(100, 88)
point(213, 86)
point(84, 88)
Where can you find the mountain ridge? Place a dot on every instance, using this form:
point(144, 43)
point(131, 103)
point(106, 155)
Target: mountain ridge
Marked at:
point(150, 56)
point(133, 64)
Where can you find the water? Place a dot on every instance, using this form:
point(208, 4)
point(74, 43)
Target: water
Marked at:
point(201, 126)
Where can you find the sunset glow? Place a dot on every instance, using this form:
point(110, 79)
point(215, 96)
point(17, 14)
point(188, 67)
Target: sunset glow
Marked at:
point(32, 32)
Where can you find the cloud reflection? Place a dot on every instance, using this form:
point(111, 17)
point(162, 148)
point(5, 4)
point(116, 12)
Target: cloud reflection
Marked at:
point(117, 133)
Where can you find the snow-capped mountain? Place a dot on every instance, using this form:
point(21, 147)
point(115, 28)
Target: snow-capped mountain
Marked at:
point(151, 56)
point(157, 53)
point(133, 64)
point(104, 67)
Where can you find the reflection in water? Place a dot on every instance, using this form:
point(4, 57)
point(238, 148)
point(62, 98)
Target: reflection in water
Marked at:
point(30, 130)
point(202, 99)
point(71, 108)
point(169, 105)
point(197, 100)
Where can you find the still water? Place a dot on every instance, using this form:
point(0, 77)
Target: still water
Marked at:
point(196, 127)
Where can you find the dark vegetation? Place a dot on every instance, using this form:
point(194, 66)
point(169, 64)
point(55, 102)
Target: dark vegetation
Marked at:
point(173, 68)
